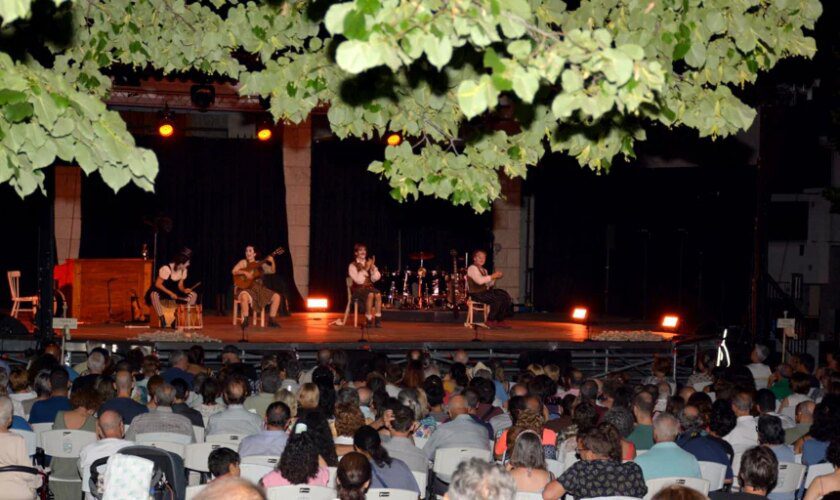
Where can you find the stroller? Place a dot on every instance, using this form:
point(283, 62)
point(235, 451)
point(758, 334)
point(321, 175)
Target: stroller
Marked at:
point(43, 491)
point(168, 478)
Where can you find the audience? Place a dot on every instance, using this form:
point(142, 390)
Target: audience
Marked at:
point(123, 403)
point(622, 419)
point(235, 419)
point(110, 434)
point(161, 418)
point(96, 363)
point(41, 387)
point(760, 372)
point(300, 462)
point(461, 430)
point(695, 440)
point(348, 419)
point(678, 492)
point(13, 452)
point(401, 445)
point(771, 435)
point(744, 435)
point(210, 391)
point(823, 431)
point(527, 463)
point(180, 407)
point(387, 472)
point(353, 476)
point(804, 417)
point(476, 479)
point(179, 363)
point(272, 440)
point(231, 488)
point(642, 435)
point(288, 397)
point(823, 485)
point(665, 458)
point(223, 463)
point(269, 385)
point(21, 391)
point(85, 403)
point(757, 477)
point(45, 411)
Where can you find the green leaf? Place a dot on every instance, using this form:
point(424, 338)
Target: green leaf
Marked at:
point(696, 56)
point(715, 22)
point(492, 61)
point(18, 111)
point(512, 28)
point(572, 81)
point(355, 26)
point(63, 126)
point(438, 50)
point(476, 97)
point(354, 56)
point(564, 105)
point(525, 84)
point(680, 50)
point(368, 6)
point(334, 19)
point(11, 10)
point(519, 48)
point(8, 96)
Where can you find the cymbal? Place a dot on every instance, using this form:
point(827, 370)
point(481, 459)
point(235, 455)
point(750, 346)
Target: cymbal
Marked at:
point(421, 256)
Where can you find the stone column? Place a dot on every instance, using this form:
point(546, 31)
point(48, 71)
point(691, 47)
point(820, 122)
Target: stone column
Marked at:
point(507, 235)
point(297, 169)
point(68, 212)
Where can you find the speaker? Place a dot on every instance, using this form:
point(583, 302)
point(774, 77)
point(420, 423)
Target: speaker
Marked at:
point(11, 326)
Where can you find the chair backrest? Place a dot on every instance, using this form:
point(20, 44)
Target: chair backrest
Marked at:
point(66, 443)
point(39, 429)
point(349, 282)
point(554, 466)
point(817, 470)
point(654, 485)
point(192, 491)
point(254, 472)
point(569, 458)
point(232, 440)
point(300, 492)
point(30, 438)
point(199, 433)
point(447, 460)
point(791, 476)
point(615, 498)
point(266, 460)
point(195, 455)
point(176, 448)
point(391, 493)
point(333, 474)
point(14, 283)
point(160, 437)
point(422, 479)
point(714, 473)
point(521, 495)
point(420, 442)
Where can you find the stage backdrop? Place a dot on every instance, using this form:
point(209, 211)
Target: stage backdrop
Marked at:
point(219, 195)
point(352, 205)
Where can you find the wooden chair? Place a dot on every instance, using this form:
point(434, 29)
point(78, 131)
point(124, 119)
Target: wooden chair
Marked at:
point(473, 307)
point(350, 301)
point(17, 300)
point(237, 318)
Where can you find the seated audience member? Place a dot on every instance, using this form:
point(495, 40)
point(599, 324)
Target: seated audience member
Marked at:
point(180, 406)
point(161, 419)
point(195, 356)
point(46, 410)
point(365, 396)
point(721, 422)
point(623, 420)
point(695, 440)
point(319, 428)
point(765, 402)
point(401, 445)
point(527, 463)
point(18, 422)
point(232, 364)
point(348, 419)
point(308, 398)
point(515, 402)
point(761, 372)
point(415, 399)
point(758, 476)
point(678, 492)
point(179, 363)
point(210, 390)
point(231, 488)
point(823, 431)
point(771, 435)
point(110, 432)
point(461, 430)
point(149, 368)
point(661, 371)
point(744, 435)
point(666, 459)
point(599, 473)
point(780, 381)
point(123, 403)
point(828, 483)
point(13, 452)
point(41, 386)
point(642, 435)
point(800, 384)
point(223, 463)
point(584, 418)
point(272, 440)
point(64, 471)
point(21, 388)
point(353, 476)
point(528, 419)
point(804, 419)
point(96, 363)
point(269, 384)
point(486, 395)
point(475, 479)
point(387, 472)
point(702, 375)
point(288, 397)
point(433, 387)
point(299, 463)
point(235, 419)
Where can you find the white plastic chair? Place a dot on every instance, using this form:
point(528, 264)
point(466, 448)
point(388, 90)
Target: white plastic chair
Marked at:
point(714, 473)
point(195, 455)
point(39, 429)
point(736, 463)
point(521, 495)
point(30, 438)
point(391, 493)
point(266, 460)
point(422, 479)
point(300, 492)
point(333, 474)
point(192, 491)
point(253, 472)
point(199, 433)
point(554, 466)
point(66, 443)
point(654, 485)
point(817, 470)
point(569, 459)
point(447, 460)
point(791, 476)
point(17, 300)
point(615, 498)
point(176, 448)
point(797, 459)
point(231, 440)
point(420, 442)
point(161, 437)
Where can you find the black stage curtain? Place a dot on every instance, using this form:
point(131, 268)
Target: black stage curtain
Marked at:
point(351, 205)
point(692, 226)
point(21, 244)
point(221, 194)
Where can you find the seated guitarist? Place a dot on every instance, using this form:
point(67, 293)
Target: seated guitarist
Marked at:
point(257, 295)
point(170, 284)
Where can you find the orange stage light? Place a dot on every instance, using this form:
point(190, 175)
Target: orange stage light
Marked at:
point(317, 303)
point(264, 133)
point(394, 139)
point(670, 321)
point(166, 129)
point(580, 313)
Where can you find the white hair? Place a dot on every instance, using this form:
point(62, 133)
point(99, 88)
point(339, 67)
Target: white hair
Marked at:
point(477, 479)
point(6, 412)
point(761, 352)
point(96, 362)
point(666, 427)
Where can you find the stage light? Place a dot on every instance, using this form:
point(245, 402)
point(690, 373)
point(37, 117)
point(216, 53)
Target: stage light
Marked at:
point(264, 131)
point(393, 139)
point(317, 303)
point(580, 313)
point(670, 321)
point(166, 125)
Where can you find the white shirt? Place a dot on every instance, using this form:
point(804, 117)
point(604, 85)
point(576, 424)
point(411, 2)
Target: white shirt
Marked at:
point(791, 401)
point(744, 435)
point(93, 452)
point(234, 420)
point(172, 272)
point(359, 277)
point(17, 402)
point(474, 274)
point(760, 373)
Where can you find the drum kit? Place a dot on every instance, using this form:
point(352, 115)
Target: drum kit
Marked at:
point(421, 289)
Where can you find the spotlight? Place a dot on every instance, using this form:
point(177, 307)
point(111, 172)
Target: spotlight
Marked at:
point(317, 303)
point(264, 132)
point(202, 96)
point(166, 125)
point(670, 321)
point(393, 139)
point(580, 313)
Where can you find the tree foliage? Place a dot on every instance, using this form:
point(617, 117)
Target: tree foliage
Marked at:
point(478, 87)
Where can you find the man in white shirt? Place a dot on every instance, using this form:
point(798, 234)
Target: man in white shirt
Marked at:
point(110, 432)
point(744, 435)
point(760, 372)
point(364, 274)
point(235, 419)
point(481, 288)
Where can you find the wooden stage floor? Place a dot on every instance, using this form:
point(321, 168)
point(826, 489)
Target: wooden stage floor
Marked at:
point(314, 328)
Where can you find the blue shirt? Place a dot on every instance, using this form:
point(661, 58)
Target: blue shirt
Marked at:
point(397, 475)
point(20, 424)
point(706, 449)
point(813, 452)
point(126, 407)
point(44, 412)
point(270, 443)
point(172, 373)
point(668, 460)
point(501, 395)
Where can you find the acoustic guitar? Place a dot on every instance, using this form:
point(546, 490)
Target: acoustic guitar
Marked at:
point(244, 282)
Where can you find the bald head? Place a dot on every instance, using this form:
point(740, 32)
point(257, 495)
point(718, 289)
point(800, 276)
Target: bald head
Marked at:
point(458, 406)
point(110, 425)
point(124, 383)
point(461, 356)
point(54, 351)
point(364, 396)
point(805, 412)
point(232, 488)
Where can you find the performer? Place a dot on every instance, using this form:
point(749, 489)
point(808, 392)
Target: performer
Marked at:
point(481, 288)
point(257, 294)
point(170, 283)
point(364, 274)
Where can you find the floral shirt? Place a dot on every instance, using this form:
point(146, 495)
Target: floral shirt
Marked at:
point(603, 478)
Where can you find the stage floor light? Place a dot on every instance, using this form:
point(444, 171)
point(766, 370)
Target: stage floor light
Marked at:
point(317, 303)
point(670, 321)
point(580, 313)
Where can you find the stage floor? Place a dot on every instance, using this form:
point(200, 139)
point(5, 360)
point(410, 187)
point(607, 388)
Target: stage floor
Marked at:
point(314, 328)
